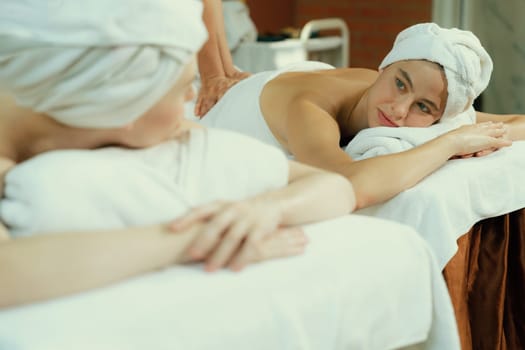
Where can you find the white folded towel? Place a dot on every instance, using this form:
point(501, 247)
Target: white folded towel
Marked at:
point(115, 188)
point(97, 63)
point(378, 141)
point(466, 63)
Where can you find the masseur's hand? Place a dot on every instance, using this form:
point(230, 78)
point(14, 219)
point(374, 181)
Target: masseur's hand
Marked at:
point(234, 232)
point(479, 139)
point(213, 88)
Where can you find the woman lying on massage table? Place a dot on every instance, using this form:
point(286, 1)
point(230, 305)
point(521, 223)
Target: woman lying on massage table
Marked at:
point(431, 74)
point(67, 105)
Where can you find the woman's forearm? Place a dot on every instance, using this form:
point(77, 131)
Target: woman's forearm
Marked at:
point(380, 178)
point(517, 128)
point(51, 265)
point(312, 195)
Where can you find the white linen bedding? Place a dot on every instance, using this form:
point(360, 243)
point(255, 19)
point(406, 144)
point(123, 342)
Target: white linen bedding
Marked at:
point(116, 188)
point(363, 283)
point(373, 142)
point(463, 192)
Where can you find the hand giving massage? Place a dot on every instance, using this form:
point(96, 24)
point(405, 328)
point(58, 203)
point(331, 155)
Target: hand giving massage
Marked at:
point(431, 75)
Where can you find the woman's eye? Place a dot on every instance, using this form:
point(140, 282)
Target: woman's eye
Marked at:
point(400, 85)
point(423, 107)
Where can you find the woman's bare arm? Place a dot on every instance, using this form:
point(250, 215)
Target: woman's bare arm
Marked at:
point(50, 265)
point(313, 137)
point(515, 123)
point(310, 195)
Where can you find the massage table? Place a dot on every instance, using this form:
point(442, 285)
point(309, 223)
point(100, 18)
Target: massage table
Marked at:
point(356, 287)
point(471, 212)
point(486, 279)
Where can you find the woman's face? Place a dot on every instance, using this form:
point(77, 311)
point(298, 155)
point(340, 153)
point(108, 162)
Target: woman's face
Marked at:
point(162, 121)
point(407, 93)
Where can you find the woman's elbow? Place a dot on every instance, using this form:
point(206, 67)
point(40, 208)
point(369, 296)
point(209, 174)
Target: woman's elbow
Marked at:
point(345, 189)
point(363, 199)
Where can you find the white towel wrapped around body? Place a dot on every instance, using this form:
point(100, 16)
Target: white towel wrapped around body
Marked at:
point(97, 64)
point(466, 63)
point(373, 142)
point(116, 187)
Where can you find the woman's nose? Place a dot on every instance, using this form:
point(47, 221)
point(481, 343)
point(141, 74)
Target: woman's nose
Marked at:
point(400, 108)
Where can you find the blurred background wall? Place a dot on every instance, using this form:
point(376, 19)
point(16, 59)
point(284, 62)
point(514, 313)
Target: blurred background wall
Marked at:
point(501, 29)
point(373, 24)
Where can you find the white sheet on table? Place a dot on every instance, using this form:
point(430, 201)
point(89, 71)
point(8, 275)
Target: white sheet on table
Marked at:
point(363, 283)
point(356, 287)
point(447, 203)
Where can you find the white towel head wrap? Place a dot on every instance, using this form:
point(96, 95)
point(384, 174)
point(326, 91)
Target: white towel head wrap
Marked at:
point(96, 63)
point(466, 63)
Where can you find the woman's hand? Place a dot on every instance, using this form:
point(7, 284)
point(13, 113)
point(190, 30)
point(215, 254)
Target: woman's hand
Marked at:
point(478, 140)
point(237, 233)
point(212, 89)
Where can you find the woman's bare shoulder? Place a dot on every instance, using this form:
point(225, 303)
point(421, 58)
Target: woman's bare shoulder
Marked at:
point(356, 74)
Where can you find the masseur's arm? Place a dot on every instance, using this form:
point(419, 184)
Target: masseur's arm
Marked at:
point(515, 123)
point(313, 137)
point(50, 265)
point(216, 68)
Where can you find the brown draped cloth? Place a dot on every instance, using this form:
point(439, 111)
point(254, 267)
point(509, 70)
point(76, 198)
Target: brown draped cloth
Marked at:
point(486, 281)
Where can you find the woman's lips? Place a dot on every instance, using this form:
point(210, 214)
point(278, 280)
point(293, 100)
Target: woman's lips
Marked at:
point(385, 121)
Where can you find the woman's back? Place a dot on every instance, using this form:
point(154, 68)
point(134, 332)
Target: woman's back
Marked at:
point(331, 90)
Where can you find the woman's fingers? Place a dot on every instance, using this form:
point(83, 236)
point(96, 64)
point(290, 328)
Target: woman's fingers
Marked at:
point(500, 143)
point(208, 104)
point(250, 251)
point(482, 137)
point(204, 103)
point(484, 152)
point(211, 92)
point(229, 244)
point(282, 243)
point(212, 233)
point(229, 229)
